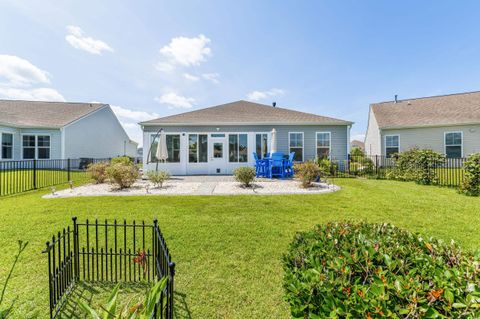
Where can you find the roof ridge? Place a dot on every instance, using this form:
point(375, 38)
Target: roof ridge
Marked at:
point(426, 97)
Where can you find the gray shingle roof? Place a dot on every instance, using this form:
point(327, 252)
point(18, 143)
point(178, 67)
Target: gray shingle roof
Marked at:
point(243, 113)
point(453, 109)
point(43, 114)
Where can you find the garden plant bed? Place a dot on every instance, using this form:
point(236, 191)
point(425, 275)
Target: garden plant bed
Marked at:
point(198, 185)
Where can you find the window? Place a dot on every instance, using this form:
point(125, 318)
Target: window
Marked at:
point(237, 148)
point(296, 145)
point(261, 144)
point(453, 144)
point(392, 145)
point(28, 143)
point(43, 147)
point(7, 145)
point(217, 150)
point(197, 148)
point(217, 135)
point(323, 144)
point(173, 148)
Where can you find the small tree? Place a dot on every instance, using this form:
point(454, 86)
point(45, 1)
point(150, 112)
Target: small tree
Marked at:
point(98, 172)
point(419, 165)
point(158, 178)
point(308, 172)
point(245, 175)
point(471, 184)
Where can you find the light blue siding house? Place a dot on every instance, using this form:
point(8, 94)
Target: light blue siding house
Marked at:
point(218, 139)
point(60, 130)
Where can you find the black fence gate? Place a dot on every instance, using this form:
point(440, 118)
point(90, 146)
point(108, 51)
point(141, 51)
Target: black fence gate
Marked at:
point(109, 252)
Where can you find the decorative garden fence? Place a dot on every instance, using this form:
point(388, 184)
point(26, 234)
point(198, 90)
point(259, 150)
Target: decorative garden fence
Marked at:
point(448, 172)
point(109, 252)
point(26, 175)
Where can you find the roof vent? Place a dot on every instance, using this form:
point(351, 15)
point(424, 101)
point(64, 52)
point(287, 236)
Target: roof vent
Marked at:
point(396, 98)
point(274, 104)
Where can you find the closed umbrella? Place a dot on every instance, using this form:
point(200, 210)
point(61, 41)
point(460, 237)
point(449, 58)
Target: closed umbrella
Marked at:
point(162, 152)
point(273, 147)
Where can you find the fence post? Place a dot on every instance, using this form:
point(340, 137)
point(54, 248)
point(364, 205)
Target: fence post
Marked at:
point(171, 265)
point(348, 164)
point(34, 174)
point(50, 280)
point(68, 170)
point(76, 259)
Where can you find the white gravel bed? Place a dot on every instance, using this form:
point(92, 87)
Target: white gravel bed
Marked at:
point(197, 187)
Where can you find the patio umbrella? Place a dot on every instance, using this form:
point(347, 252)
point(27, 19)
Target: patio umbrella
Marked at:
point(273, 147)
point(162, 152)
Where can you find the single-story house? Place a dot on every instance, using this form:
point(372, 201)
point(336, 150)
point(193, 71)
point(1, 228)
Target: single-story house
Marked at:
point(61, 130)
point(357, 144)
point(448, 124)
point(218, 139)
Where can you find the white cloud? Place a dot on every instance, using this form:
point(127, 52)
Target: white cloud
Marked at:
point(40, 94)
point(190, 77)
point(212, 77)
point(183, 51)
point(173, 100)
point(129, 120)
point(131, 115)
point(78, 40)
point(260, 95)
point(19, 72)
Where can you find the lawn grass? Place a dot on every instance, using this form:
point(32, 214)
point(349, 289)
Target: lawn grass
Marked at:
point(17, 181)
point(228, 249)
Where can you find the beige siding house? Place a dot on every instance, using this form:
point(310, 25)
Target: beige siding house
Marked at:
point(449, 124)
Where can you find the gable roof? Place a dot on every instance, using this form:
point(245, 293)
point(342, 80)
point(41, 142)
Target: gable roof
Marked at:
point(452, 109)
point(39, 114)
point(245, 113)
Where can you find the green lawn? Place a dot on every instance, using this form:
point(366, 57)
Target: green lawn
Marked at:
point(228, 248)
point(17, 181)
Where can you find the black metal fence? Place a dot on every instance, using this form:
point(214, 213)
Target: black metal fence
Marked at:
point(26, 175)
point(448, 172)
point(109, 252)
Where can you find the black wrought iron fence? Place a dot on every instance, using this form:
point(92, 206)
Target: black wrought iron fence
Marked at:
point(109, 252)
point(448, 172)
point(26, 175)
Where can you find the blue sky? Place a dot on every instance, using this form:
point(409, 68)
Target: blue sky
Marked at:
point(155, 58)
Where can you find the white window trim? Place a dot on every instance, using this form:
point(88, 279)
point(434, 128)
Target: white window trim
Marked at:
point(329, 143)
point(36, 145)
point(385, 142)
point(180, 149)
point(1, 145)
point(269, 139)
point(445, 141)
point(227, 137)
point(198, 144)
point(303, 143)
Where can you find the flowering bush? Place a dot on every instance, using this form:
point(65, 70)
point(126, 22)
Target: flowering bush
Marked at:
point(471, 184)
point(344, 270)
point(98, 172)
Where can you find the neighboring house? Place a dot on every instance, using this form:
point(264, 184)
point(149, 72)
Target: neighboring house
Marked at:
point(357, 144)
point(218, 139)
point(61, 130)
point(448, 124)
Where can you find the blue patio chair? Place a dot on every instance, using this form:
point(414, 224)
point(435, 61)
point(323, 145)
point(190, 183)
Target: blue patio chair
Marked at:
point(289, 165)
point(276, 165)
point(260, 166)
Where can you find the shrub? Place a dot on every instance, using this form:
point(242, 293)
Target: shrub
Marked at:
point(245, 175)
point(308, 172)
point(158, 178)
point(356, 153)
point(98, 172)
point(327, 167)
point(417, 165)
point(471, 184)
point(344, 270)
point(361, 166)
point(122, 175)
point(122, 160)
